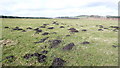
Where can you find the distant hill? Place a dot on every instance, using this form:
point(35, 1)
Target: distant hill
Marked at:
point(82, 16)
point(113, 16)
point(66, 17)
point(96, 16)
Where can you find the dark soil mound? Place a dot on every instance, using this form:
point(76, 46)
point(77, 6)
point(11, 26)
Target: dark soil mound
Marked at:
point(100, 26)
point(84, 30)
point(17, 28)
point(42, 40)
point(115, 46)
point(44, 52)
point(58, 62)
point(10, 58)
point(73, 30)
point(62, 27)
point(46, 33)
point(42, 58)
point(63, 24)
point(38, 30)
point(100, 29)
point(42, 26)
point(36, 54)
point(69, 46)
point(67, 35)
point(29, 28)
point(23, 30)
point(55, 43)
point(27, 56)
point(6, 27)
point(55, 23)
point(45, 24)
point(105, 28)
point(50, 27)
point(54, 33)
point(114, 27)
point(85, 42)
point(116, 30)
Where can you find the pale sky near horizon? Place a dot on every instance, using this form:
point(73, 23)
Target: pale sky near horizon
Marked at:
point(55, 8)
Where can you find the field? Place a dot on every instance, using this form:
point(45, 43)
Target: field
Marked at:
point(96, 45)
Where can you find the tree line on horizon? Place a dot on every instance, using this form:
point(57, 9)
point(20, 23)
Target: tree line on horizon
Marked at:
point(62, 17)
point(25, 17)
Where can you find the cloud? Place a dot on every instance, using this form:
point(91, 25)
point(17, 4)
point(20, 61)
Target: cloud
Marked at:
point(53, 8)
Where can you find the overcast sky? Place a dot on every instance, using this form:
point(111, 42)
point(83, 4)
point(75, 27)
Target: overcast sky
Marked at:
point(54, 8)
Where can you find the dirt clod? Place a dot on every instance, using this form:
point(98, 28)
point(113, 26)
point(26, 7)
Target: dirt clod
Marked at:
point(42, 40)
point(42, 58)
point(36, 54)
point(62, 27)
point(55, 43)
point(73, 30)
point(100, 26)
point(45, 33)
point(115, 46)
point(114, 27)
point(58, 62)
point(50, 27)
point(55, 23)
point(69, 46)
point(85, 42)
point(84, 30)
point(10, 58)
point(54, 33)
point(44, 52)
point(105, 28)
point(38, 30)
point(6, 27)
point(27, 56)
point(67, 35)
point(23, 30)
point(42, 26)
point(45, 24)
point(100, 29)
point(29, 28)
point(115, 30)
point(17, 28)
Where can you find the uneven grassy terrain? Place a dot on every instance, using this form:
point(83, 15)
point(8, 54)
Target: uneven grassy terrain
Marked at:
point(100, 49)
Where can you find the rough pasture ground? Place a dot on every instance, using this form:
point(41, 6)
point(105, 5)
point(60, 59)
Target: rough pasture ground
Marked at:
point(99, 52)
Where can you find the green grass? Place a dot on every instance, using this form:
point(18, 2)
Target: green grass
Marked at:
point(98, 53)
